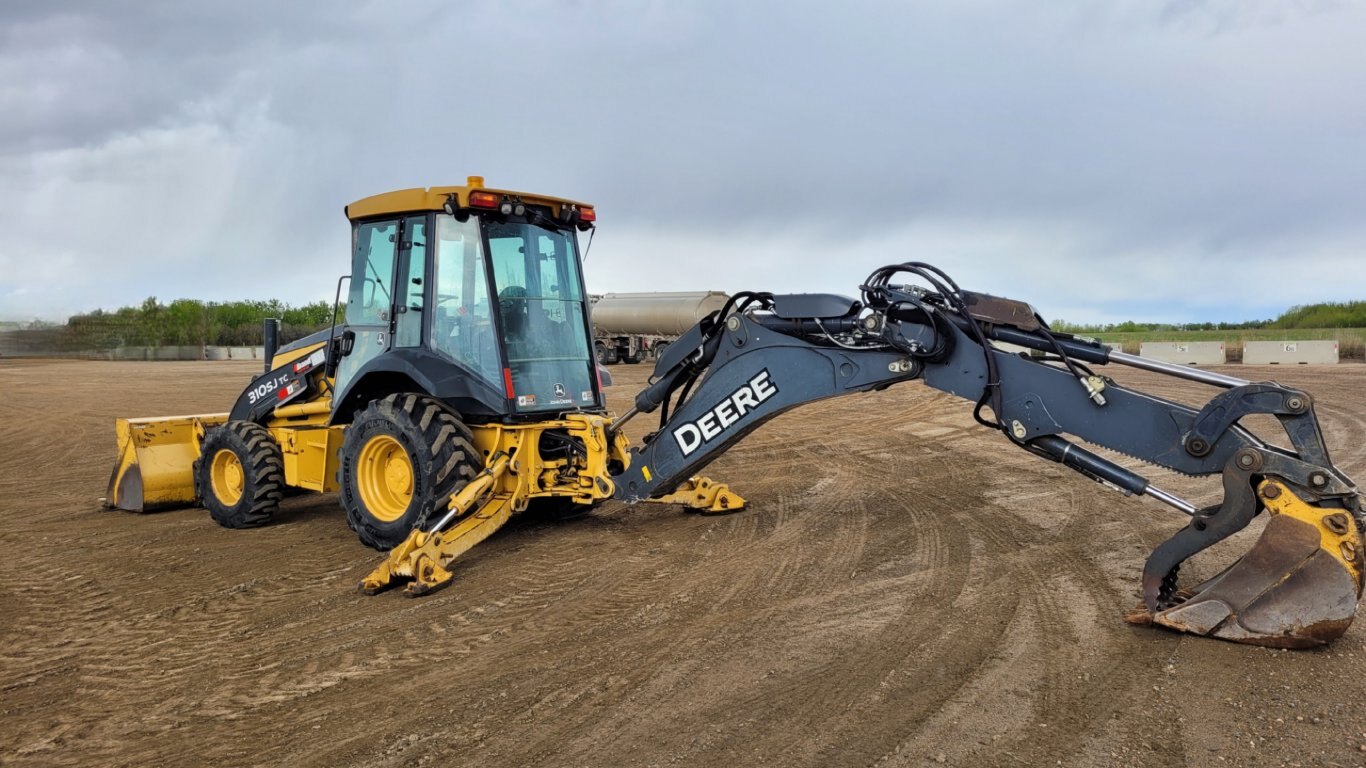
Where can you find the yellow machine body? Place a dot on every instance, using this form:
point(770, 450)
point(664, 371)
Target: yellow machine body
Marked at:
point(435, 198)
point(514, 474)
point(157, 458)
point(155, 468)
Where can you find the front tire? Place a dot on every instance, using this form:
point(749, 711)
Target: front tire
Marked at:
point(401, 459)
point(240, 474)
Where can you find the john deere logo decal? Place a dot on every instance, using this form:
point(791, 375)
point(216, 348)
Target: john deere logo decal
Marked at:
point(694, 434)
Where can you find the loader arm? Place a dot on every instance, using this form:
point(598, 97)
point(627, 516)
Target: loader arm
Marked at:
point(765, 354)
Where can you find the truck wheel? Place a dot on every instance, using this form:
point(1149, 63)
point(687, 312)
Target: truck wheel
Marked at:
point(631, 359)
point(240, 474)
point(401, 459)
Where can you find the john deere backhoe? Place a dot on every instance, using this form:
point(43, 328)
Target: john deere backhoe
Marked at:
point(462, 389)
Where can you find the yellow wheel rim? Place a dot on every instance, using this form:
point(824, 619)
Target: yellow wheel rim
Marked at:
point(226, 476)
point(384, 477)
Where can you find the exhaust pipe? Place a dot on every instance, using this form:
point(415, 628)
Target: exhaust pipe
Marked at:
point(272, 333)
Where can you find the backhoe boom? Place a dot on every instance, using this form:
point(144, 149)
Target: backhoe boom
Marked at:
point(764, 354)
point(803, 348)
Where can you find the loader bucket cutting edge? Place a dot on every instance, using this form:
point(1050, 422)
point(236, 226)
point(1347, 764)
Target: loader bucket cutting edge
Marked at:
point(1297, 587)
point(155, 465)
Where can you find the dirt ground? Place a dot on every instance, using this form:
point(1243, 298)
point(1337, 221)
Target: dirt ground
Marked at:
point(905, 589)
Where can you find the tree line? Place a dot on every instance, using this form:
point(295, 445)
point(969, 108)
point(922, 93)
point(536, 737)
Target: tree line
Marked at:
point(188, 322)
point(191, 322)
point(1340, 314)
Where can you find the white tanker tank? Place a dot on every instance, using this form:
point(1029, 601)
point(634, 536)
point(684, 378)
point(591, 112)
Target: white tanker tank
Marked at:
point(630, 326)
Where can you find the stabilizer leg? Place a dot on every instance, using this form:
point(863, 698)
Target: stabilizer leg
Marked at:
point(423, 556)
point(704, 495)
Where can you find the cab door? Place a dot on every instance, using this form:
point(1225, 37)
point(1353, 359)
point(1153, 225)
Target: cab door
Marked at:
point(410, 309)
point(370, 304)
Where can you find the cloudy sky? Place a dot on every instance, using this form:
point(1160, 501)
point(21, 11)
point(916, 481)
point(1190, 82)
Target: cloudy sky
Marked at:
point(1180, 160)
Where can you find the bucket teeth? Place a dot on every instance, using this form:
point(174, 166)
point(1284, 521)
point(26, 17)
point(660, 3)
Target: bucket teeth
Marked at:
point(1297, 587)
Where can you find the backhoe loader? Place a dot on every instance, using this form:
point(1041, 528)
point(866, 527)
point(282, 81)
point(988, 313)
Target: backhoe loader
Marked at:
point(461, 390)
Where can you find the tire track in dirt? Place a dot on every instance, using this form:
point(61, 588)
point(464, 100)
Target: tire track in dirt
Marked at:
point(739, 542)
point(750, 548)
point(909, 632)
point(829, 674)
point(1054, 625)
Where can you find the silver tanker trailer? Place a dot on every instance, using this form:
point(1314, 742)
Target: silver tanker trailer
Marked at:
point(630, 327)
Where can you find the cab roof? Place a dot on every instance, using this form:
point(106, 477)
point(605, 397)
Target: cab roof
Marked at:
point(434, 199)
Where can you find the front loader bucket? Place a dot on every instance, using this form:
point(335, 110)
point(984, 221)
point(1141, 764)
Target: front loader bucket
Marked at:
point(156, 456)
point(1297, 587)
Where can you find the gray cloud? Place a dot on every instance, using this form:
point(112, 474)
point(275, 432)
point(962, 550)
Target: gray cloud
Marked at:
point(1045, 150)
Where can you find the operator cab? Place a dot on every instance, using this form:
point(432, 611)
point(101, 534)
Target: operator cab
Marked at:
point(486, 280)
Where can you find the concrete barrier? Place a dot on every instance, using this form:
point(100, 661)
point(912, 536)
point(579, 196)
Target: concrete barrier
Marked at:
point(1116, 346)
point(131, 353)
point(182, 352)
point(1185, 352)
point(1290, 353)
point(215, 353)
point(241, 353)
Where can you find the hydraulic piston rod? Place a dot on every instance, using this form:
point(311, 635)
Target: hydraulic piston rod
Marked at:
point(1180, 371)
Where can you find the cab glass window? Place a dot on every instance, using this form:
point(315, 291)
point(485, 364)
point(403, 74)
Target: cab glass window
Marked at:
point(462, 325)
point(372, 274)
point(541, 312)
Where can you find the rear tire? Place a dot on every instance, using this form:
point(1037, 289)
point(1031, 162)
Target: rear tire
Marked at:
point(401, 459)
point(240, 475)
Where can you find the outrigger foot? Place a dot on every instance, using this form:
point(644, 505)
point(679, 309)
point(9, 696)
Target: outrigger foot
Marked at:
point(421, 557)
point(701, 494)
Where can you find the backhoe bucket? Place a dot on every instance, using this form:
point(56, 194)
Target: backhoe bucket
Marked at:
point(156, 458)
point(1297, 587)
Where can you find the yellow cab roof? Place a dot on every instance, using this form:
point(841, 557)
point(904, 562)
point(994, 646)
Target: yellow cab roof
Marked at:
point(434, 199)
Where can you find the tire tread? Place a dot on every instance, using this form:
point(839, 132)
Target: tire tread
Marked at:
point(453, 459)
point(263, 467)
